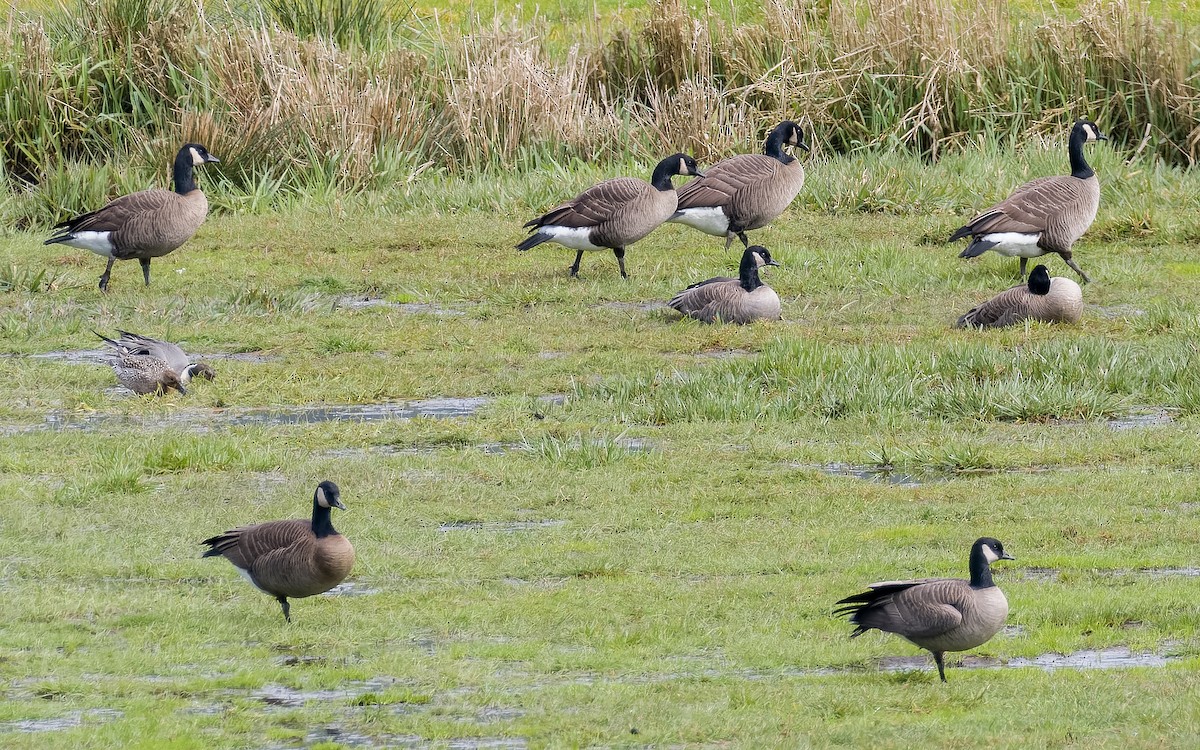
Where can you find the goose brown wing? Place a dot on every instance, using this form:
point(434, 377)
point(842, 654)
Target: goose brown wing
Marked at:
point(701, 300)
point(244, 546)
point(721, 181)
point(1006, 308)
point(595, 205)
point(930, 609)
point(121, 212)
point(1029, 208)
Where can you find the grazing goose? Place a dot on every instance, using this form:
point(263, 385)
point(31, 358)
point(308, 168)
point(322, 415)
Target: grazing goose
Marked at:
point(143, 225)
point(612, 214)
point(1046, 215)
point(745, 192)
point(145, 365)
point(938, 614)
point(295, 558)
point(1053, 300)
point(741, 300)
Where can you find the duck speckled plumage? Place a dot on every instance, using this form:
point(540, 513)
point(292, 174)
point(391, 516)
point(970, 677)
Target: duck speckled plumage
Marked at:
point(937, 614)
point(1046, 299)
point(1046, 215)
point(143, 225)
point(145, 365)
point(612, 214)
point(293, 558)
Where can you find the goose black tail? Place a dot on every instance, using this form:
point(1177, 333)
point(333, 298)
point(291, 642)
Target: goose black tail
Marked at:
point(533, 240)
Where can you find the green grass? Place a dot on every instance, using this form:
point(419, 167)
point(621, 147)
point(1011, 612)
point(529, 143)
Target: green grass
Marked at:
point(651, 562)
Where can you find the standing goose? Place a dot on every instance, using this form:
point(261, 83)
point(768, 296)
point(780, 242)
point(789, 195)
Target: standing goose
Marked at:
point(937, 614)
point(143, 225)
point(612, 214)
point(293, 558)
point(1053, 300)
point(1046, 215)
point(741, 300)
point(747, 191)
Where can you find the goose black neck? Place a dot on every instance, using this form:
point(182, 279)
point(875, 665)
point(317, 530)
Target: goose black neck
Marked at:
point(748, 272)
point(774, 146)
point(322, 524)
point(184, 180)
point(981, 570)
point(666, 169)
point(1079, 166)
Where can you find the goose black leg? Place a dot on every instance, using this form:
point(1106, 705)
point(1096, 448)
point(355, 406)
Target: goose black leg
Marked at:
point(940, 658)
point(575, 265)
point(1078, 270)
point(745, 240)
point(620, 253)
point(1023, 262)
point(146, 270)
point(287, 608)
point(106, 274)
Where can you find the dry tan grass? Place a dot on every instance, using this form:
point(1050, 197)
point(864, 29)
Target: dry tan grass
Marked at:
point(923, 75)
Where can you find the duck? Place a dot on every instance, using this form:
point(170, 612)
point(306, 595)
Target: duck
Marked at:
point(150, 366)
point(1051, 300)
point(612, 214)
point(742, 300)
point(747, 191)
point(937, 614)
point(1046, 215)
point(143, 225)
point(290, 559)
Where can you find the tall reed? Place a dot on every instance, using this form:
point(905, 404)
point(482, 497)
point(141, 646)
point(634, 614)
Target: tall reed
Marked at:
point(299, 108)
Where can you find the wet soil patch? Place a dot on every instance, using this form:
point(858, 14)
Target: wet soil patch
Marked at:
point(503, 527)
point(59, 723)
point(1143, 419)
point(352, 588)
point(199, 420)
point(410, 308)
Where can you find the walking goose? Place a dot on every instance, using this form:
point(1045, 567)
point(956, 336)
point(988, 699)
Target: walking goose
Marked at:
point(1053, 300)
point(937, 614)
point(295, 558)
point(1046, 215)
point(143, 225)
point(741, 300)
point(747, 191)
point(612, 214)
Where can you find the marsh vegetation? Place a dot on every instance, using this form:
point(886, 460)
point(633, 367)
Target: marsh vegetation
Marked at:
point(635, 533)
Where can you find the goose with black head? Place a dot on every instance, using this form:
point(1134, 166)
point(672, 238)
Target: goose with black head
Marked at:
point(1046, 215)
point(747, 191)
point(937, 614)
point(1046, 299)
point(741, 300)
point(290, 559)
point(612, 214)
point(143, 225)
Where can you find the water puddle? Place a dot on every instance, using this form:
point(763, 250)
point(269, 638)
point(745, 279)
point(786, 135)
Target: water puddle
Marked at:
point(649, 306)
point(410, 308)
point(877, 474)
point(77, 356)
point(503, 527)
point(59, 723)
point(273, 694)
point(1053, 575)
point(352, 588)
point(202, 419)
point(1116, 657)
point(1140, 420)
